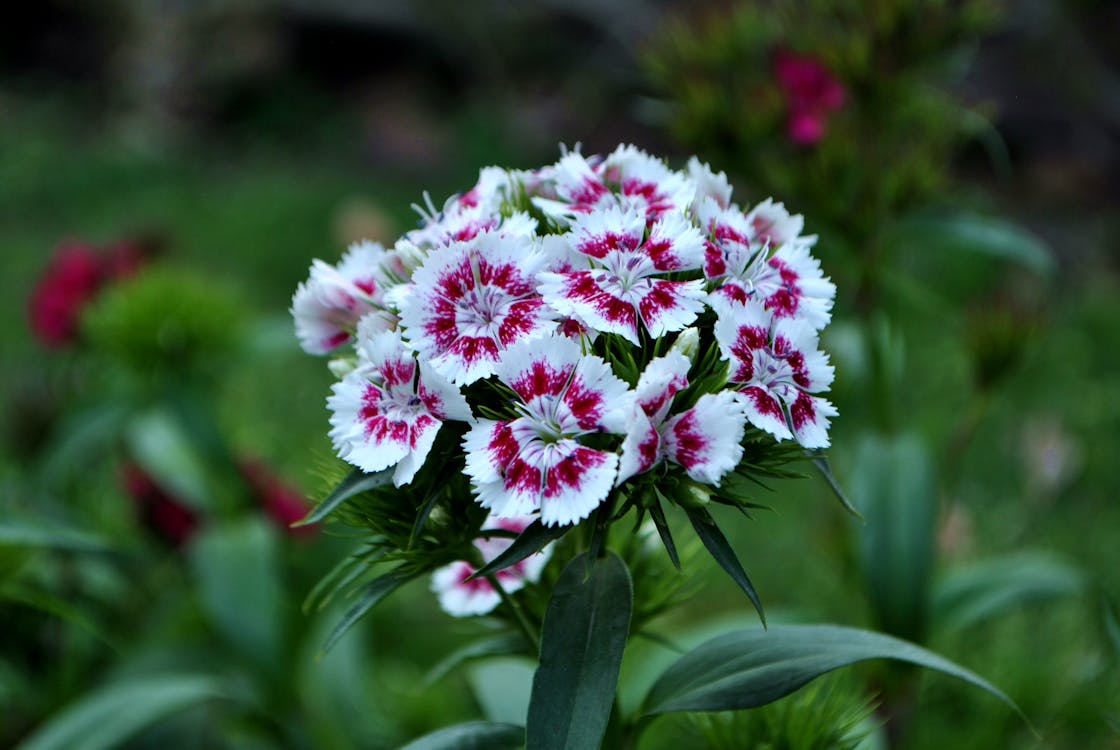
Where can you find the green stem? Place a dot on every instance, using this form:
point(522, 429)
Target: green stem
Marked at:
point(518, 613)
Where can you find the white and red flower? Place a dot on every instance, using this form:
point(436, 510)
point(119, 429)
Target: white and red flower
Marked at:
point(462, 597)
point(628, 178)
point(777, 368)
point(624, 288)
point(388, 410)
point(537, 461)
point(470, 301)
point(328, 306)
point(705, 440)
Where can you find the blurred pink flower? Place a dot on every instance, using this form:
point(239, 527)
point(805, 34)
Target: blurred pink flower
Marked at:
point(812, 93)
point(280, 501)
point(165, 515)
point(75, 276)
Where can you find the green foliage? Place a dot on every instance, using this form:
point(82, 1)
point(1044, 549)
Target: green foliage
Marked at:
point(475, 735)
point(585, 632)
point(886, 149)
point(893, 478)
point(829, 714)
point(166, 323)
point(749, 668)
point(110, 715)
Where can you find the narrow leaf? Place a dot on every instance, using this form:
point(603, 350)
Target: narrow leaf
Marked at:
point(982, 590)
point(357, 482)
point(425, 511)
point(535, 536)
point(894, 478)
point(374, 592)
point(720, 550)
point(658, 516)
point(821, 464)
point(505, 644)
point(106, 717)
point(38, 534)
point(749, 668)
point(584, 635)
point(474, 735)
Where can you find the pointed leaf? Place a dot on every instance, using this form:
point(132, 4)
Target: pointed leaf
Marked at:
point(751, 667)
point(893, 478)
point(530, 541)
point(29, 533)
point(357, 482)
point(505, 644)
point(107, 716)
point(720, 550)
point(982, 590)
point(422, 517)
point(372, 594)
point(662, 525)
point(821, 464)
point(475, 735)
point(237, 569)
point(585, 630)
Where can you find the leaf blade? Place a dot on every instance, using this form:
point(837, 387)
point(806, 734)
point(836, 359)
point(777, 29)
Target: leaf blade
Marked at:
point(356, 482)
point(530, 541)
point(584, 635)
point(374, 592)
point(473, 735)
point(720, 550)
point(749, 668)
point(109, 715)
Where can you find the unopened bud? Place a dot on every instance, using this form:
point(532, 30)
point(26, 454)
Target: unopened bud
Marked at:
point(687, 343)
point(340, 367)
point(692, 495)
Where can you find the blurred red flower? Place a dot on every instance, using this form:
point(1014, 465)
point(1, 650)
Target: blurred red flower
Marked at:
point(280, 501)
point(166, 516)
point(76, 274)
point(812, 93)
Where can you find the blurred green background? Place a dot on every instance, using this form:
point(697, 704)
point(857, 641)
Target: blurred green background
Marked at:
point(966, 194)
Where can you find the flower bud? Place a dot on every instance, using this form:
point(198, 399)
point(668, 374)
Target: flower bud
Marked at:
point(340, 367)
point(687, 343)
point(692, 495)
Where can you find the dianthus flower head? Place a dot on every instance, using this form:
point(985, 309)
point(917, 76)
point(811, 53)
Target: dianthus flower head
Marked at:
point(597, 325)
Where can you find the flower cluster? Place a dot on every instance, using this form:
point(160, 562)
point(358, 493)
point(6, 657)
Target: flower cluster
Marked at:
point(595, 324)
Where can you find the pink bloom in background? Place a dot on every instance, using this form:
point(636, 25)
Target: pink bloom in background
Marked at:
point(165, 515)
point(460, 597)
point(812, 93)
point(75, 276)
point(280, 501)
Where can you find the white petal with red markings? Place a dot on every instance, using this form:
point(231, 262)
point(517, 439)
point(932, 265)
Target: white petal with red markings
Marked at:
point(471, 301)
point(707, 439)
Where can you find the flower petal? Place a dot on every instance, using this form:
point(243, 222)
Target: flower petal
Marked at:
point(707, 439)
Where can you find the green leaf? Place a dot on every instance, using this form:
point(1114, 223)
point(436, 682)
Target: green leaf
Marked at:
point(474, 735)
point(161, 446)
point(721, 552)
point(584, 635)
point(50, 536)
point(893, 479)
point(934, 235)
point(505, 644)
point(237, 567)
point(988, 588)
point(372, 594)
point(751, 667)
point(357, 482)
point(530, 541)
point(822, 466)
point(659, 521)
point(106, 717)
